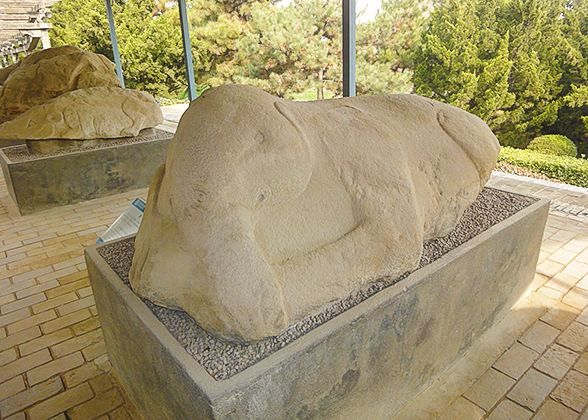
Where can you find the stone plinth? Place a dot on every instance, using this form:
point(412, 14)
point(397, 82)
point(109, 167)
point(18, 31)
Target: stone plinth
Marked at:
point(373, 358)
point(40, 182)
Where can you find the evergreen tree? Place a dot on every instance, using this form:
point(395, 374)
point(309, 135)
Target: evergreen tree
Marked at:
point(500, 59)
point(290, 49)
point(463, 61)
point(385, 47)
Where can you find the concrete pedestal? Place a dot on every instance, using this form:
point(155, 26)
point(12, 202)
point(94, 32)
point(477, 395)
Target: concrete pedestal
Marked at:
point(56, 180)
point(364, 364)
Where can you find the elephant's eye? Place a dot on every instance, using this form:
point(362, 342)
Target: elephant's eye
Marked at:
point(259, 138)
point(263, 195)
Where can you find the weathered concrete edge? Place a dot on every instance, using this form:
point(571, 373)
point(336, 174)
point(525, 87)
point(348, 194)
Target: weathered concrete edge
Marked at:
point(218, 389)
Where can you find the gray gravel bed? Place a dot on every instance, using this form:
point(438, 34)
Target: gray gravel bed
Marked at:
point(23, 154)
point(223, 360)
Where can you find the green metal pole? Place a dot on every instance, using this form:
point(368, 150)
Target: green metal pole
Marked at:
point(114, 42)
point(187, 49)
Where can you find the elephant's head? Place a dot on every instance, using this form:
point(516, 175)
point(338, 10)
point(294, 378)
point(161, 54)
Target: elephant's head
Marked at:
point(235, 153)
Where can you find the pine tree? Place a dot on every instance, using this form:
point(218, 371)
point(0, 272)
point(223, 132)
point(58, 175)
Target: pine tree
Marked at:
point(385, 47)
point(287, 50)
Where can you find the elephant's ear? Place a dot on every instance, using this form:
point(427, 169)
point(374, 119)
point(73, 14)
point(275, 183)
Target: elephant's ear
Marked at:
point(292, 113)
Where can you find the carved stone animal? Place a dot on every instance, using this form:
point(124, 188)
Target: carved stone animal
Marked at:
point(266, 210)
point(49, 73)
point(93, 113)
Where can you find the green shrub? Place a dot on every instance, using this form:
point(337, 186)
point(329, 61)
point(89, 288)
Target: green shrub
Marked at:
point(554, 144)
point(567, 169)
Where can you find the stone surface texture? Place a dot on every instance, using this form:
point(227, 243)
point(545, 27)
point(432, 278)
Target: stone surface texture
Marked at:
point(266, 209)
point(373, 358)
point(92, 113)
point(49, 73)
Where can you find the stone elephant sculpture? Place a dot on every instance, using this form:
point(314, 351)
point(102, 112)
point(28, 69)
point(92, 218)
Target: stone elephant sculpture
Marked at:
point(266, 210)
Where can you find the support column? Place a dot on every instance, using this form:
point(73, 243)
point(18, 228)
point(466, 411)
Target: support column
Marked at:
point(348, 48)
point(114, 42)
point(45, 41)
point(187, 49)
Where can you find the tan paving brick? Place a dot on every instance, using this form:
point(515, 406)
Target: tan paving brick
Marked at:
point(67, 288)
point(45, 341)
point(24, 364)
point(11, 387)
point(575, 337)
point(98, 406)
point(549, 268)
point(74, 276)
point(563, 235)
point(562, 282)
point(76, 305)
point(563, 256)
point(550, 246)
point(539, 336)
point(94, 351)
point(61, 402)
point(82, 374)
point(582, 364)
point(23, 293)
point(120, 414)
point(14, 317)
point(489, 389)
point(31, 321)
point(573, 391)
point(22, 303)
point(507, 410)
point(54, 303)
point(560, 316)
point(556, 361)
point(61, 365)
point(7, 356)
point(2, 332)
point(516, 360)
point(19, 338)
point(549, 292)
point(461, 409)
point(55, 275)
point(59, 239)
point(7, 298)
point(101, 383)
point(86, 326)
point(31, 274)
point(86, 291)
point(12, 288)
point(30, 396)
point(552, 410)
point(576, 245)
point(577, 297)
point(77, 343)
point(65, 321)
point(532, 389)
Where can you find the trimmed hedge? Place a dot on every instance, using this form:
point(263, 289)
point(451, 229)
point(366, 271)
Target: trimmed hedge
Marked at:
point(554, 144)
point(570, 170)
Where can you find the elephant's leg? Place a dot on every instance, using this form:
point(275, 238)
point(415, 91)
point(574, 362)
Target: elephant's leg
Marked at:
point(387, 242)
point(231, 291)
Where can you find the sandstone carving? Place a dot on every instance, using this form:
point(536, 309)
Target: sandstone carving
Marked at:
point(49, 73)
point(266, 209)
point(93, 113)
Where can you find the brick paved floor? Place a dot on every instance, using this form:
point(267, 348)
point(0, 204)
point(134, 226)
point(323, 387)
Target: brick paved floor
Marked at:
point(53, 363)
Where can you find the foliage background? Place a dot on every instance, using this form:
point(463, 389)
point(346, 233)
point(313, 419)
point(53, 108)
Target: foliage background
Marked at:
point(520, 65)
